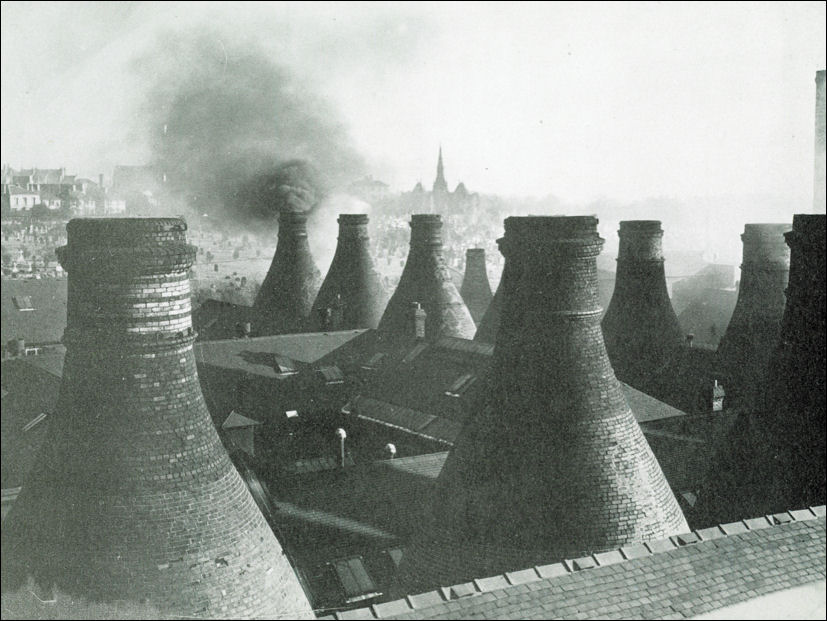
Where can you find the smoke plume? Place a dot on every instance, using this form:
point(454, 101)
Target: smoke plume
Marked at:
point(235, 135)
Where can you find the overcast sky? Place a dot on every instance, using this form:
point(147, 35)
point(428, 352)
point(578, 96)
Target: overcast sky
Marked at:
point(618, 100)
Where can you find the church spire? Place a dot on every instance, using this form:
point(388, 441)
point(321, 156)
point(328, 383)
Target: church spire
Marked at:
point(440, 184)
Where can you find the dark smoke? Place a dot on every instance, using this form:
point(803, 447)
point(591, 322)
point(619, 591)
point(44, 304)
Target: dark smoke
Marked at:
point(236, 135)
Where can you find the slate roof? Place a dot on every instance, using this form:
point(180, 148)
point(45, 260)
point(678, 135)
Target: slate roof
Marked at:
point(30, 386)
point(46, 322)
point(257, 355)
point(336, 513)
point(675, 578)
point(415, 389)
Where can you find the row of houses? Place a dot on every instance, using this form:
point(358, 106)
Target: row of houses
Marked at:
point(54, 189)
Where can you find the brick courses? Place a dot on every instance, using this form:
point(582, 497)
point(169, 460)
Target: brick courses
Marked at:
point(640, 327)
point(551, 464)
point(133, 497)
point(425, 279)
point(286, 296)
point(353, 278)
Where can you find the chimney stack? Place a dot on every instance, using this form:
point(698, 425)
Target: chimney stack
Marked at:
point(417, 321)
point(490, 323)
point(475, 290)
point(640, 327)
point(753, 331)
point(133, 497)
point(553, 464)
point(352, 287)
point(425, 279)
point(286, 296)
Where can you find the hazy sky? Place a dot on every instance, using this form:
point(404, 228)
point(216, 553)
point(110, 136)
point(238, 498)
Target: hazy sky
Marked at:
point(619, 100)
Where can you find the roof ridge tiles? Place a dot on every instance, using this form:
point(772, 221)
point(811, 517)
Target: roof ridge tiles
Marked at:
point(550, 572)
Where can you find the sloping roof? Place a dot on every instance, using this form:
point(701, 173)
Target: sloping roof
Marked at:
point(30, 388)
point(678, 578)
point(236, 420)
point(332, 514)
point(259, 355)
point(16, 189)
point(45, 324)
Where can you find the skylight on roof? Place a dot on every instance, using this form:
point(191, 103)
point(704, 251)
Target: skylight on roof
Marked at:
point(463, 383)
point(354, 579)
point(374, 361)
point(285, 365)
point(332, 375)
point(414, 353)
point(23, 302)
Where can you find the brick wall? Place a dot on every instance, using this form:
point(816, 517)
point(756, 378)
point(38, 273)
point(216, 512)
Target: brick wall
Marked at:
point(552, 463)
point(133, 497)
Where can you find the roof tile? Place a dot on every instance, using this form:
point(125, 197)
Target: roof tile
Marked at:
point(523, 576)
point(820, 510)
point(389, 609)
point(608, 558)
point(734, 528)
point(660, 545)
point(462, 590)
point(552, 571)
point(491, 584)
point(356, 613)
point(802, 514)
point(635, 550)
point(685, 539)
point(757, 523)
point(781, 518)
point(423, 600)
point(578, 564)
point(706, 534)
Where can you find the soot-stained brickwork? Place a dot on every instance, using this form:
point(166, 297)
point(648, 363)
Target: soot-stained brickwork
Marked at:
point(551, 463)
point(286, 296)
point(426, 280)
point(775, 454)
point(352, 295)
point(753, 331)
point(640, 327)
point(475, 289)
point(793, 417)
point(133, 497)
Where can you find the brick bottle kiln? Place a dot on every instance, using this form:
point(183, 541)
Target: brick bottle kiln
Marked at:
point(352, 295)
point(753, 331)
point(475, 289)
point(773, 459)
point(425, 279)
point(640, 327)
point(133, 497)
point(793, 417)
point(553, 463)
point(286, 296)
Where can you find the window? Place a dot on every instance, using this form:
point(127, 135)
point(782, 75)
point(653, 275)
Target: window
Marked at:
point(23, 302)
